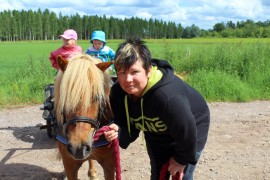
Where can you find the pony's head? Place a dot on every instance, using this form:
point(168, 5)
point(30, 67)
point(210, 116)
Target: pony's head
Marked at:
point(82, 87)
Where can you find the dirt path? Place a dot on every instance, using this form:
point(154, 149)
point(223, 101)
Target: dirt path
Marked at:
point(238, 146)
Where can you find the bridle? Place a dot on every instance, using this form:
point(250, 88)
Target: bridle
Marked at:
point(63, 131)
point(94, 122)
point(73, 121)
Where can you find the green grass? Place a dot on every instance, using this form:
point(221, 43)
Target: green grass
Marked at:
point(222, 69)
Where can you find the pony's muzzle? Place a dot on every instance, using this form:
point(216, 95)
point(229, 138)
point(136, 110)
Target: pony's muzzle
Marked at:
point(79, 153)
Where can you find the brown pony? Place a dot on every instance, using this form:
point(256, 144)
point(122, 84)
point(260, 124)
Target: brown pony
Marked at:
point(82, 87)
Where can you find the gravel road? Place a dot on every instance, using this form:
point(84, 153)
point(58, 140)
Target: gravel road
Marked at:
point(238, 146)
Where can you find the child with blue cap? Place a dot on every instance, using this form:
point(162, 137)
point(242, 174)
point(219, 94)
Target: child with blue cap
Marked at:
point(99, 48)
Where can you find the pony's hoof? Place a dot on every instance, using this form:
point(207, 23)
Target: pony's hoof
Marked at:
point(93, 175)
point(93, 178)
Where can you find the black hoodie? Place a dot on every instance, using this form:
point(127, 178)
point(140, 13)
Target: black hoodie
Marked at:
point(171, 113)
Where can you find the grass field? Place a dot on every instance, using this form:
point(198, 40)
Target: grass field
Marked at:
point(221, 69)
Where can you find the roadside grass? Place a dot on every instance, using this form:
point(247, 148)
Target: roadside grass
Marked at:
point(221, 69)
point(224, 71)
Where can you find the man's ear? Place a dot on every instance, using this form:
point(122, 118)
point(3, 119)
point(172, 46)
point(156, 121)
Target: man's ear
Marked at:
point(62, 63)
point(104, 65)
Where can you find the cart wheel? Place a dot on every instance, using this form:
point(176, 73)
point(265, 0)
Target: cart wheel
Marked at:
point(49, 128)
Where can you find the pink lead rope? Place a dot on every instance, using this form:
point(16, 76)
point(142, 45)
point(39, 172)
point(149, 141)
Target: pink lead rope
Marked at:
point(115, 144)
point(164, 170)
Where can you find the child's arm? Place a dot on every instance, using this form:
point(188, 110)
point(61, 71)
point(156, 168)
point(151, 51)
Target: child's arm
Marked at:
point(111, 54)
point(53, 61)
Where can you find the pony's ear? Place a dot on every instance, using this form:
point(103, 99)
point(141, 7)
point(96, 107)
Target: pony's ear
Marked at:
point(104, 65)
point(62, 63)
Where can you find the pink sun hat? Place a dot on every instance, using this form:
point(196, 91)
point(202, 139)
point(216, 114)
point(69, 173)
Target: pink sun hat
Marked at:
point(69, 34)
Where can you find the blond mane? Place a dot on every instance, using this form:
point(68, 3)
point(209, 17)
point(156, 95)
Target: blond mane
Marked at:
point(81, 84)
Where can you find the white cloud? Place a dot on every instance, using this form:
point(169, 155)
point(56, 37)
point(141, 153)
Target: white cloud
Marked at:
point(202, 13)
point(240, 8)
point(10, 5)
point(209, 13)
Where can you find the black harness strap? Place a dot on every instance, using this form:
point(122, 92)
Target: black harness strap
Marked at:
point(84, 119)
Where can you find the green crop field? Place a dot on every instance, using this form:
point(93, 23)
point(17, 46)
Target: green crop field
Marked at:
point(222, 69)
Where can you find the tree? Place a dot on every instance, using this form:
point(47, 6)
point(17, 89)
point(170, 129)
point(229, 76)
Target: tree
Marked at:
point(171, 31)
point(85, 29)
point(105, 26)
point(114, 29)
point(30, 24)
point(187, 32)
point(64, 23)
point(266, 32)
point(38, 25)
point(54, 26)
point(230, 24)
point(219, 27)
point(249, 29)
point(6, 24)
point(14, 25)
point(151, 29)
point(76, 24)
point(180, 30)
point(126, 26)
point(46, 24)
point(195, 31)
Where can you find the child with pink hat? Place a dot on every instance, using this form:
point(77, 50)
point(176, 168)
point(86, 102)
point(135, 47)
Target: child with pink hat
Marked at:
point(68, 48)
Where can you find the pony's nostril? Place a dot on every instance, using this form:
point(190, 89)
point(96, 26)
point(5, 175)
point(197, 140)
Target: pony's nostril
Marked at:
point(86, 150)
point(70, 149)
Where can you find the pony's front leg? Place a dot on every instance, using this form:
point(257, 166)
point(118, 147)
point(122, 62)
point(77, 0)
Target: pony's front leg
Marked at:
point(105, 157)
point(71, 166)
point(92, 173)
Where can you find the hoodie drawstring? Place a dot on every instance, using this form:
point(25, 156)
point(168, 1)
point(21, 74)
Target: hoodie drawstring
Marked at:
point(127, 114)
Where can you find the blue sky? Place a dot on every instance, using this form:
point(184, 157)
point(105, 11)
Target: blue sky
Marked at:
point(202, 13)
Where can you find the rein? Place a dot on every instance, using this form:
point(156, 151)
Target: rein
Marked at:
point(98, 132)
point(115, 144)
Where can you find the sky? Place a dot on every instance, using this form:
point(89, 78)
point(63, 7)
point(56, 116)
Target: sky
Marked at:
point(202, 13)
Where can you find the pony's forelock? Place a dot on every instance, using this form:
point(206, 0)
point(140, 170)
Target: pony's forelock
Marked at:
point(80, 85)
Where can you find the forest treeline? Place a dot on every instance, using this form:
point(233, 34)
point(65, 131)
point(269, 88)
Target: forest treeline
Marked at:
point(45, 25)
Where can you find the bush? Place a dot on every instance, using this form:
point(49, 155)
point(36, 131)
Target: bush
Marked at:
point(220, 86)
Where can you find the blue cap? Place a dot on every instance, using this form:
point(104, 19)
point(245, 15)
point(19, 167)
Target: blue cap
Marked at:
point(98, 35)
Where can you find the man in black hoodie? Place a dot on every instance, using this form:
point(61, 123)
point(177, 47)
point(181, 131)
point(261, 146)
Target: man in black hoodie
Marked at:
point(173, 116)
